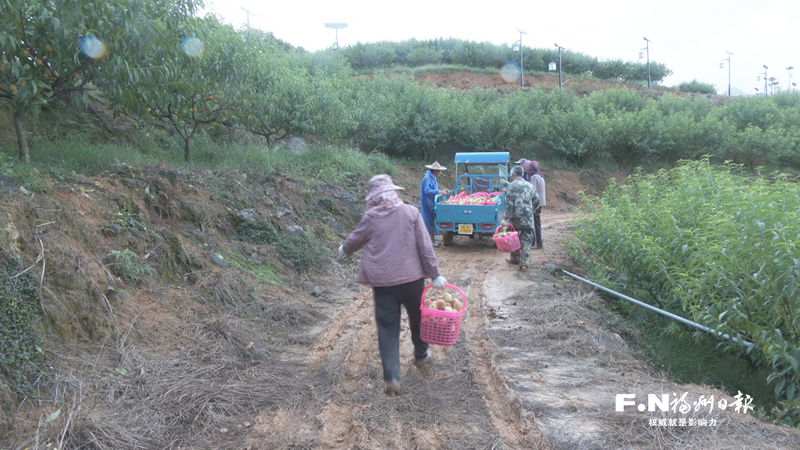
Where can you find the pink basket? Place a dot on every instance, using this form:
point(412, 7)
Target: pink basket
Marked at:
point(490, 200)
point(509, 243)
point(441, 327)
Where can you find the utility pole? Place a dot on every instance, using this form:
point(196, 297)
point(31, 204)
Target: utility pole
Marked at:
point(648, 61)
point(765, 80)
point(559, 65)
point(248, 17)
point(521, 69)
point(729, 71)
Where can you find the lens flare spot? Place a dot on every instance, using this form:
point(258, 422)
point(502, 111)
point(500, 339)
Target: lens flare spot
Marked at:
point(93, 47)
point(297, 145)
point(193, 47)
point(510, 72)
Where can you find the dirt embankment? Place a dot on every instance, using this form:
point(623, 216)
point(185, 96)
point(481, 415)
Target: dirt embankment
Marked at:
point(223, 355)
point(577, 85)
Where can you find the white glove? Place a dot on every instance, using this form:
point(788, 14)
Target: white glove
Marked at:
point(439, 282)
point(341, 251)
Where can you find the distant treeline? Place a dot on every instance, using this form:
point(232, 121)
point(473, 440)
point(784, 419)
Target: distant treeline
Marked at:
point(485, 55)
point(225, 82)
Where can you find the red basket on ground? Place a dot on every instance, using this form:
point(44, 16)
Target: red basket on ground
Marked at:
point(441, 327)
point(509, 243)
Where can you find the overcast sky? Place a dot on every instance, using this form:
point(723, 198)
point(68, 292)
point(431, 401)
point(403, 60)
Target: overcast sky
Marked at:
point(690, 36)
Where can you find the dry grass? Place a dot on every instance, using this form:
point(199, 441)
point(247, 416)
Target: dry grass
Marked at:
point(220, 373)
point(581, 364)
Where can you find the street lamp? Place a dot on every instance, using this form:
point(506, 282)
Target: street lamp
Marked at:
point(518, 48)
point(336, 26)
point(790, 77)
point(647, 47)
point(559, 64)
point(729, 70)
point(765, 79)
point(756, 92)
point(248, 17)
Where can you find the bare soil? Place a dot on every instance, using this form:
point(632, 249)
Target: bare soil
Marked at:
point(219, 359)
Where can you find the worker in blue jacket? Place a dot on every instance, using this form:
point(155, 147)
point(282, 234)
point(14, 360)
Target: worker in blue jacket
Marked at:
point(427, 192)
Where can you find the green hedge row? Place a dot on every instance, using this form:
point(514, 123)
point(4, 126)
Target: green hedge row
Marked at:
point(404, 118)
point(710, 243)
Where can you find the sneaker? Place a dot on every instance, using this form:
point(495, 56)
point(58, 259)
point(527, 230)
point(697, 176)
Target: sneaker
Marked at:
point(523, 268)
point(392, 387)
point(419, 362)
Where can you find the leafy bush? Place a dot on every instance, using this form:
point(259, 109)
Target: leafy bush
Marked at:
point(708, 241)
point(127, 266)
point(303, 251)
point(20, 351)
point(130, 221)
point(696, 87)
point(421, 56)
point(257, 233)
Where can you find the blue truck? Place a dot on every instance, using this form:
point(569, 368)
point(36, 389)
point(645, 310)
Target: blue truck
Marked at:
point(475, 172)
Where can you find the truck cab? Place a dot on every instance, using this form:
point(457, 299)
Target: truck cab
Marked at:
point(477, 203)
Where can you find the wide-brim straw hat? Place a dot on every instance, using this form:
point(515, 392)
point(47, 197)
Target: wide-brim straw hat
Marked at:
point(435, 166)
point(380, 184)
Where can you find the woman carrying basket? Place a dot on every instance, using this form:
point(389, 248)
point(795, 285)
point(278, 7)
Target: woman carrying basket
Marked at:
point(398, 256)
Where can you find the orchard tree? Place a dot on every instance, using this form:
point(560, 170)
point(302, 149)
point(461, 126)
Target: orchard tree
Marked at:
point(62, 50)
point(291, 96)
point(194, 78)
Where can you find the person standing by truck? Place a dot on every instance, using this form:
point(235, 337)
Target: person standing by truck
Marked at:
point(427, 193)
point(522, 200)
point(525, 175)
point(537, 180)
point(397, 259)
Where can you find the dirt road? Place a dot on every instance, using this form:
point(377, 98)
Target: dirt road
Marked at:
point(534, 367)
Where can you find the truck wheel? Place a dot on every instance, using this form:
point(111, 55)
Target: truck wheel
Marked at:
point(447, 238)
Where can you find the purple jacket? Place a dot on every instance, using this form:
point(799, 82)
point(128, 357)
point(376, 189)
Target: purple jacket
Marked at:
point(397, 248)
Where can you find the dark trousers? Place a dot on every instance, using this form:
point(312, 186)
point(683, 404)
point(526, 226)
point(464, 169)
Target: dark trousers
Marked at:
point(387, 317)
point(537, 228)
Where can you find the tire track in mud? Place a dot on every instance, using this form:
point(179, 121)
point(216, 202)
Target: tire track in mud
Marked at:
point(349, 407)
point(344, 348)
point(338, 358)
point(464, 266)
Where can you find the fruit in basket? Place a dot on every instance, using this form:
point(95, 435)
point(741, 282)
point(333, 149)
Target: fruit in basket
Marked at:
point(440, 304)
point(457, 305)
point(427, 303)
point(447, 297)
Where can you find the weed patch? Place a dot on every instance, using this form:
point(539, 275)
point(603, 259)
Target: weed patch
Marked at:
point(130, 221)
point(302, 251)
point(261, 272)
point(20, 350)
point(320, 209)
point(258, 233)
point(127, 266)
